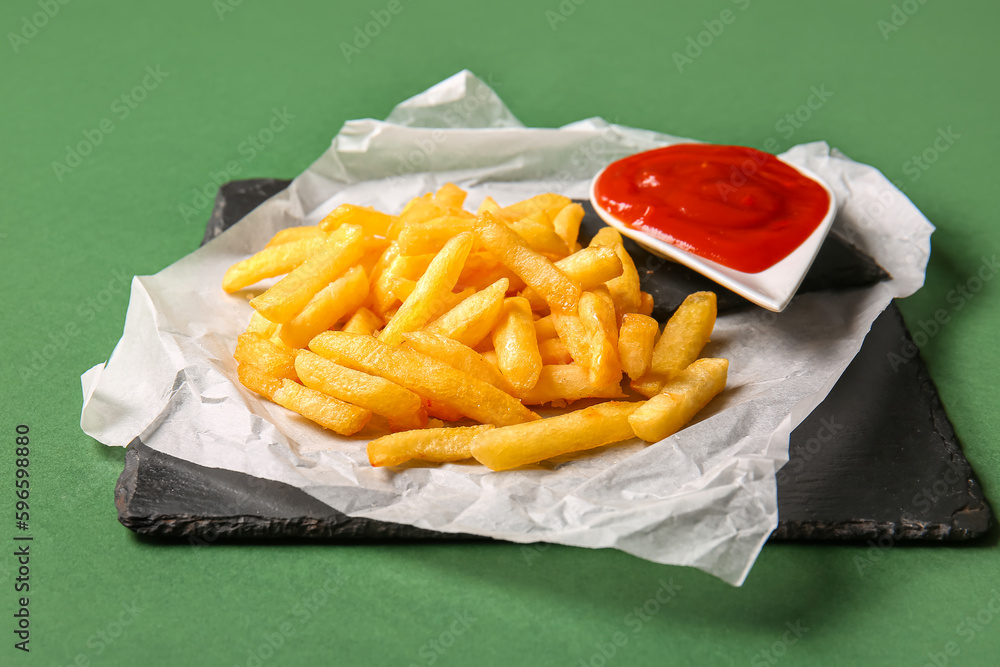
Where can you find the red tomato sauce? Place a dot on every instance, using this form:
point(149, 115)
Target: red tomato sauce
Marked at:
point(736, 206)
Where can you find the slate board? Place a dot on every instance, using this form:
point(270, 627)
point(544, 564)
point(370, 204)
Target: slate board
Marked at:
point(878, 458)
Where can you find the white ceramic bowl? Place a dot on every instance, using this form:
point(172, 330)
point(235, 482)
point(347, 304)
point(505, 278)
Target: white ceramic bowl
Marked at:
point(772, 288)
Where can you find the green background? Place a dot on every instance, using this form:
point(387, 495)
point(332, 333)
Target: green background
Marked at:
point(81, 235)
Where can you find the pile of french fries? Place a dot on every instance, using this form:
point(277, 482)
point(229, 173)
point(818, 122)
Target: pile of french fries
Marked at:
point(442, 315)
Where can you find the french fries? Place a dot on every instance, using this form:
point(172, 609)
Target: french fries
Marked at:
point(461, 317)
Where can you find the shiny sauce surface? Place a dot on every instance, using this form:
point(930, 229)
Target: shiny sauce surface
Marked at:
point(733, 205)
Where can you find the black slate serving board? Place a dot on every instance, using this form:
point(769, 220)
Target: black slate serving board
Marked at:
point(878, 458)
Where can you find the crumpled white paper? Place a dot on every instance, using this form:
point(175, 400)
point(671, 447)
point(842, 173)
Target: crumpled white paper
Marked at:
point(705, 497)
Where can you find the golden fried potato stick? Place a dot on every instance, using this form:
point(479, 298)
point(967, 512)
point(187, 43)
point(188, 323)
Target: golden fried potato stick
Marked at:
point(437, 445)
point(625, 288)
point(428, 297)
point(363, 321)
point(430, 236)
point(270, 262)
point(521, 444)
point(489, 204)
point(545, 328)
point(296, 234)
point(567, 223)
point(516, 346)
point(261, 325)
point(597, 313)
point(326, 411)
point(254, 349)
point(257, 380)
point(549, 204)
point(681, 399)
point(330, 305)
point(373, 222)
point(289, 296)
point(473, 319)
point(573, 334)
point(682, 340)
point(588, 268)
point(450, 195)
point(458, 356)
point(540, 237)
point(423, 375)
point(645, 303)
point(554, 352)
point(400, 406)
point(635, 343)
point(567, 382)
point(534, 269)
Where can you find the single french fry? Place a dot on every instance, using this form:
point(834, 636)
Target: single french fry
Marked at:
point(540, 237)
point(373, 222)
point(261, 325)
point(489, 204)
point(534, 269)
point(554, 352)
point(597, 313)
point(388, 288)
point(253, 349)
point(645, 303)
point(473, 319)
point(290, 234)
point(384, 261)
point(588, 268)
point(625, 288)
point(423, 375)
point(441, 411)
point(548, 204)
point(328, 412)
point(568, 382)
point(516, 346)
point(567, 223)
point(438, 445)
point(450, 195)
point(288, 297)
point(682, 340)
point(635, 343)
point(434, 286)
point(257, 380)
point(363, 321)
point(521, 444)
point(330, 305)
point(458, 356)
point(545, 328)
point(681, 399)
point(270, 262)
point(430, 236)
point(400, 406)
point(574, 336)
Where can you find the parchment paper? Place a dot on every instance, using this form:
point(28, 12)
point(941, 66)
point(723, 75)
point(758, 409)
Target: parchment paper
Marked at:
point(705, 497)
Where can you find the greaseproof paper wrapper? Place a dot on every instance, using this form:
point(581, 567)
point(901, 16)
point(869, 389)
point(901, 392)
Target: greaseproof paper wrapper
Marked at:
point(705, 497)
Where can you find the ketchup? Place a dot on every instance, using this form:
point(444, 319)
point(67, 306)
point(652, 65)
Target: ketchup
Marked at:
point(736, 206)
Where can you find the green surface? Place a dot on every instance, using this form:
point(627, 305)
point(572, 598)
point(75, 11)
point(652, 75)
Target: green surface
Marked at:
point(70, 245)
